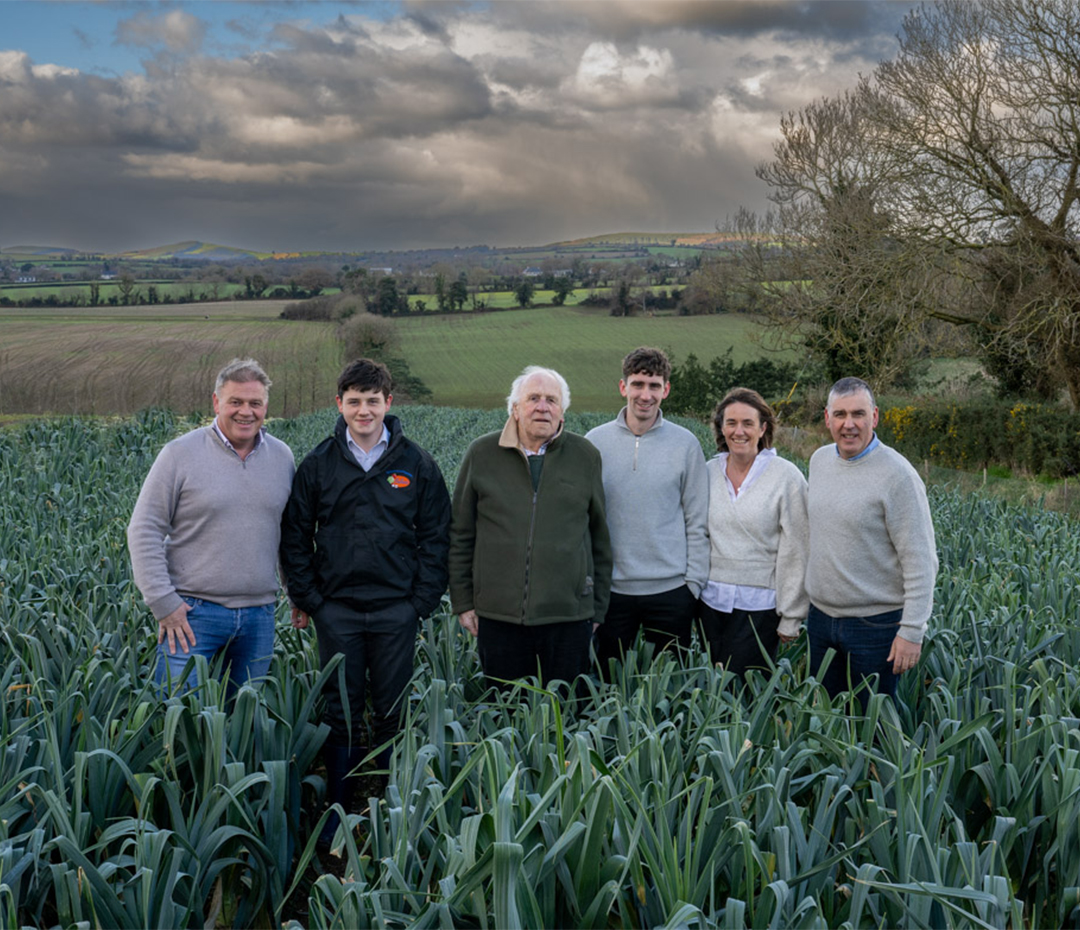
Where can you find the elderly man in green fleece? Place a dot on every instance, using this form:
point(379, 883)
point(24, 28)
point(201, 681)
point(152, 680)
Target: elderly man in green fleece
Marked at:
point(530, 556)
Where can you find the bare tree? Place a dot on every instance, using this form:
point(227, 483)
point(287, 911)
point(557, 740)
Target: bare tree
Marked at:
point(955, 167)
point(827, 265)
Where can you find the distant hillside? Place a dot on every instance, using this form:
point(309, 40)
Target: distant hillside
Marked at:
point(205, 251)
point(214, 252)
point(43, 250)
point(693, 240)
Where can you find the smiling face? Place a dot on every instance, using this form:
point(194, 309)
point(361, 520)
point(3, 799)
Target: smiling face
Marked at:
point(851, 419)
point(364, 412)
point(643, 393)
point(240, 407)
point(539, 412)
point(742, 430)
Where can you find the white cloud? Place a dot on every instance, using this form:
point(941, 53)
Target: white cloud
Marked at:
point(607, 78)
point(177, 30)
point(194, 168)
point(14, 67)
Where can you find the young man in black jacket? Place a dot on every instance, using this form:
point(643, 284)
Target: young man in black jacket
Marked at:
point(364, 540)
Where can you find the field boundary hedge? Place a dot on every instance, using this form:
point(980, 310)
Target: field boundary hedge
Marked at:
point(1037, 439)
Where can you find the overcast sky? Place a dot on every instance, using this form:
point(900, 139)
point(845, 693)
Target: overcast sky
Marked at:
point(289, 126)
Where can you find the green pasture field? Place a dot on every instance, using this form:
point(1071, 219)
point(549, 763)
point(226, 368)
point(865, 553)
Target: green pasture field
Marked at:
point(676, 251)
point(508, 299)
point(470, 359)
point(501, 299)
point(172, 289)
point(123, 359)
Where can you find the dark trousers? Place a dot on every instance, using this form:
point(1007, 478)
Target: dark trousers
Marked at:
point(378, 644)
point(862, 645)
point(554, 651)
point(742, 639)
point(667, 619)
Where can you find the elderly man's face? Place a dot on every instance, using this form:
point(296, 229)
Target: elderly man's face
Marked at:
point(851, 419)
point(539, 412)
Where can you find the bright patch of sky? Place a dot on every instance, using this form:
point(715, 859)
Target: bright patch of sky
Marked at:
point(110, 38)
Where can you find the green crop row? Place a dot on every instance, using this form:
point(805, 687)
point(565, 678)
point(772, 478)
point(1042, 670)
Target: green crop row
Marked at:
point(666, 798)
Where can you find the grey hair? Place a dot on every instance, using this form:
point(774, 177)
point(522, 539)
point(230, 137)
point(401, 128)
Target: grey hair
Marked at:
point(240, 371)
point(846, 386)
point(519, 383)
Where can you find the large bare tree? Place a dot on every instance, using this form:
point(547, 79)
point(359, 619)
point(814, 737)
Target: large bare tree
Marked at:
point(953, 170)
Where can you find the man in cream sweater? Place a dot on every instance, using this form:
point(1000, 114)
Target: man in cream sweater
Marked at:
point(873, 559)
point(657, 497)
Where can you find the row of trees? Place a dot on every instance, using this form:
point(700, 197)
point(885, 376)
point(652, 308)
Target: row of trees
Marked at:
point(937, 197)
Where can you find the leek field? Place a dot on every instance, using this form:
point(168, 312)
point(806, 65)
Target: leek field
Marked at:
point(666, 799)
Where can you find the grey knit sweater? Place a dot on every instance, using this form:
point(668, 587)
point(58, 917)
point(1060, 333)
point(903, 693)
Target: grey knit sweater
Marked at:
point(207, 524)
point(657, 498)
point(872, 545)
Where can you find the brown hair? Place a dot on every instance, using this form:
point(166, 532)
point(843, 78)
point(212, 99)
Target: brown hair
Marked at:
point(741, 395)
point(363, 374)
point(648, 361)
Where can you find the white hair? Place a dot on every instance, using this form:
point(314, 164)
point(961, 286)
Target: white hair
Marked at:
point(519, 383)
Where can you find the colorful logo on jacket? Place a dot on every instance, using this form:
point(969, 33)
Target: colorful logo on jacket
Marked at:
point(398, 479)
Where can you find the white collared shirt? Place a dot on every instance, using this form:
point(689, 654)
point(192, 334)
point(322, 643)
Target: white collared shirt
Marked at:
point(367, 459)
point(229, 445)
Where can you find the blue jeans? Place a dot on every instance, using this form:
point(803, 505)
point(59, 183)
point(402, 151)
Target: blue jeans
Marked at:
point(245, 635)
point(862, 646)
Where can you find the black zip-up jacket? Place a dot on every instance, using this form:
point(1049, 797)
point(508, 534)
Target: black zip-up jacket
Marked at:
point(367, 539)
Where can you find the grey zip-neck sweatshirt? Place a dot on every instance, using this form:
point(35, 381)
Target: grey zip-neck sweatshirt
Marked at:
point(657, 495)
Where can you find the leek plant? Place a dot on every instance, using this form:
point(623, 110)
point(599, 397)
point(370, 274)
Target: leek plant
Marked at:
point(671, 796)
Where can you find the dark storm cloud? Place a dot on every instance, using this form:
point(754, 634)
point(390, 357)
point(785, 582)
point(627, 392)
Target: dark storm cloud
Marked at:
point(449, 123)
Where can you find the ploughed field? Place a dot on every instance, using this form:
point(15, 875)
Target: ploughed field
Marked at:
point(667, 800)
point(119, 360)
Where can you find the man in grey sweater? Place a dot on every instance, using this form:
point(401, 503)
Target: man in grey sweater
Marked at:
point(205, 530)
point(657, 497)
point(873, 559)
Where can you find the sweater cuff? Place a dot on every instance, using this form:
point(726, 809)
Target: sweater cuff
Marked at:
point(164, 606)
point(789, 626)
point(913, 634)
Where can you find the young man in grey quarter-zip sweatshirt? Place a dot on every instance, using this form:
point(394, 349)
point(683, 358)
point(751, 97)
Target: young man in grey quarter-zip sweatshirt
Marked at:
point(657, 496)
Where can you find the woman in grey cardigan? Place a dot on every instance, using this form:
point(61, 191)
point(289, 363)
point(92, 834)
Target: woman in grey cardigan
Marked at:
point(759, 538)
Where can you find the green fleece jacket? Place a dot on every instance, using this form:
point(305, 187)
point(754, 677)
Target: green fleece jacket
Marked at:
point(530, 557)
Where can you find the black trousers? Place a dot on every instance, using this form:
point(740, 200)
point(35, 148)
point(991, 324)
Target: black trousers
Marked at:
point(554, 651)
point(379, 645)
point(667, 619)
point(742, 639)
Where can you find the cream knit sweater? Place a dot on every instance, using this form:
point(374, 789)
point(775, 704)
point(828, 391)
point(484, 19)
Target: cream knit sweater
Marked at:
point(761, 538)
